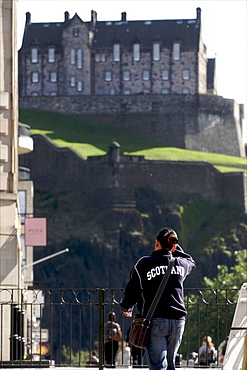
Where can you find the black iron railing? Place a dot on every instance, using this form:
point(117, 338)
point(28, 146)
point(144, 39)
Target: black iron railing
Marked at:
point(66, 325)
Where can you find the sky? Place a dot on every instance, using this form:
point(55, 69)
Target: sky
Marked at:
point(224, 28)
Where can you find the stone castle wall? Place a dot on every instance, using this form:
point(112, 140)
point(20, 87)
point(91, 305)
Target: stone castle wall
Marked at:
point(197, 122)
point(54, 168)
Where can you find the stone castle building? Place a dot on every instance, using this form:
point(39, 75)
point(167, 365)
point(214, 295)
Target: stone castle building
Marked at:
point(111, 58)
point(150, 77)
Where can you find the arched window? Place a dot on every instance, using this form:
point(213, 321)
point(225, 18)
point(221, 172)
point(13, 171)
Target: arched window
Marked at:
point(116, 52)
point(156, 51)
point(51, 55)
point(136, 52)
point(176, 51)
point(79, 59)
point(72, 56)
point(34, 55)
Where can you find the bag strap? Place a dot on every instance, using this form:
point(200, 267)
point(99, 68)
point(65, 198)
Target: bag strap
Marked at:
point(160, 290)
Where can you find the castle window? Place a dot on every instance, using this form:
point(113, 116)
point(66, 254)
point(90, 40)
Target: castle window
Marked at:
point(146, 75)
point(53, 77)
point(176, 51)
point(53, 93)
point(100, 58)
point(79, 59)
point(165, 74)
point(136, 52)
point(108, 75)
point(112, 91)
point(75, 32)
point(34, 55)
point(164, 91)
point(116, 52)
point(156, 51)
point(51, 55)
point(126, 75)
point(186, 74)
point(72, 56)
point(127, 92)
point(35, 93)
point(185, 91)
point(72, 81)
point(79, 86)
point(35, 77)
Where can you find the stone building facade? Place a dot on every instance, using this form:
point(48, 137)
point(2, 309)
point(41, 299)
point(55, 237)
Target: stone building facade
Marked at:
point(114, 57)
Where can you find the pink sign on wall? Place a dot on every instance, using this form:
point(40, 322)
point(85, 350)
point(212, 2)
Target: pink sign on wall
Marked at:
point(35, 231)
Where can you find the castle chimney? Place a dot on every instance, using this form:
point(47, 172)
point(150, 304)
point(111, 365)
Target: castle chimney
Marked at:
point(66, 16)
point(93, 17)
point(124, 17)
point(28, 17)
point(198, 15)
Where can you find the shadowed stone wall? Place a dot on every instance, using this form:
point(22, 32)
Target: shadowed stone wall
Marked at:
point(54, 168)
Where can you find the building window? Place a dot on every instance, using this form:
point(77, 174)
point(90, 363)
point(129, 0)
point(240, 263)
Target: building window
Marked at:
point(34, 55)
point(116, 52)
point(156, 51)
point(51, 55)
point(127, 92)
point(176, 51)
point(185, 91)
point(35, 77)
point(126, 75)
point(136, 52)
point(186, 74)
point(53, 77)
point(22, 204)
point(75, 32)
point(165, 75)
point(164, 91)
point(112, 91)
point(79, 86)
point(100, 58)
point(72, 81)
point(72, 56)
point(34, 93)
point(146, 75)
point(53, 93)
point(79, 59)
point(108, 75)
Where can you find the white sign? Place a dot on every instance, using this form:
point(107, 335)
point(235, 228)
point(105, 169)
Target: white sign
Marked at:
point(40, 335)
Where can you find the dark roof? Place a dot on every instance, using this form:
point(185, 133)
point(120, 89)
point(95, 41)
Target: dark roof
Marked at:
point(45, 34)
point(166, 31)
point(187, 31)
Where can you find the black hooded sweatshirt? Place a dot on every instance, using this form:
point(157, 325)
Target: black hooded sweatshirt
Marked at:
point(145, 278)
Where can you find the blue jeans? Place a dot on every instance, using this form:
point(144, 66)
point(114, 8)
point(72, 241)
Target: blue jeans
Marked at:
point(165, 339)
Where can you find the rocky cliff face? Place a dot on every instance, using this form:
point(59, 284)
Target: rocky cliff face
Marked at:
point(105, 242)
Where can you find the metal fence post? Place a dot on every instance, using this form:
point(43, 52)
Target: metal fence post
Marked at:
point(101, 328)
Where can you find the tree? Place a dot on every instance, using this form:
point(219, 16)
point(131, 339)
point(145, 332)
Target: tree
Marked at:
point(233, 279)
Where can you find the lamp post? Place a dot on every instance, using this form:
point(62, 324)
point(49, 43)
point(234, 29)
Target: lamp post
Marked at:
point(45, 258)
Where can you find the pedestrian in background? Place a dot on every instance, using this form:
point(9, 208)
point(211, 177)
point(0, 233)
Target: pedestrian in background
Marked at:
point(207, 352)
point(113, 335)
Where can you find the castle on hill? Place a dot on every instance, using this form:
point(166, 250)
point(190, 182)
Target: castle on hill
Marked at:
point(151, 77)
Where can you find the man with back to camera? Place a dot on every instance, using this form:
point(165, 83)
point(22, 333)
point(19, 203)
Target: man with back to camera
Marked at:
point(168, 321)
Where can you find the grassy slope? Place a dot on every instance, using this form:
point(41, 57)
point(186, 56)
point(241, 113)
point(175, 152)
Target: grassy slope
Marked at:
point(87, 139)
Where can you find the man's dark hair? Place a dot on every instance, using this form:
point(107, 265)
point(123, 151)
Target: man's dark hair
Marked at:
point(163, 236)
